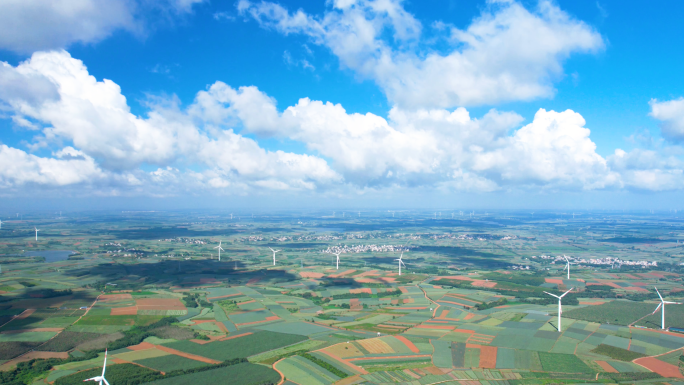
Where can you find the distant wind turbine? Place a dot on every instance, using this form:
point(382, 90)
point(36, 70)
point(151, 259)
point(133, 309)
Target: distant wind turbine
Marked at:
point(400, 262)
point(274, 253)
point(567, 266)
point(662, 312)
point(1, 226)
point(101, 378)
point(560, 309)
point(337, 266)
point(219, 250)
point(36, 233)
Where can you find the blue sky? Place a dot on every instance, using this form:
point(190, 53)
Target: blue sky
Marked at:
point(454, 100)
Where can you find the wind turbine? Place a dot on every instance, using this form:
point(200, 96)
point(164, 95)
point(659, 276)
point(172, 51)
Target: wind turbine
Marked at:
point(400, 262)
point(338, 261)
point(662, 304)
point(219, 250)
point(567, 266)
point(1, 226)
point(560, 309)
point(274, 253)
point(36, 233)
point(101, 378)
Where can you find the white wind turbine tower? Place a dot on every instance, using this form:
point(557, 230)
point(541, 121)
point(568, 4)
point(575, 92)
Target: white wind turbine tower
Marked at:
point(662, 312)
point(567, 266)
point(1, 226)
point(338, 260)
point(36, 233)
point(274, 253)
point(219, 250)
point(101, 378)
point(400, 262)
point(560, 309)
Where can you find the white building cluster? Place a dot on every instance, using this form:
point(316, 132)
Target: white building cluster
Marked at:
point(344, 249)
point(612, 261)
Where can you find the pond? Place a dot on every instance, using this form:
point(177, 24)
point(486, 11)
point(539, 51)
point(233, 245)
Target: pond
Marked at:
point(51, 255)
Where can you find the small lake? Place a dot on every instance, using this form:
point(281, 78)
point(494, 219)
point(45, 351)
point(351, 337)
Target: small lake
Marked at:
point(52, 255)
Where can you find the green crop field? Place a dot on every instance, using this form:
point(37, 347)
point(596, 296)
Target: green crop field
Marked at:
point(564, 363)
point(239, 347)
point(614, 312)
point(616, 353)
point(67, 340)
point(241, 374)
point(168, 363)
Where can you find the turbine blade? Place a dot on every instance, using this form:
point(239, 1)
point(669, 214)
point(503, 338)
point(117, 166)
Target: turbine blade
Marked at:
point(661, 297)
point(105, 380)
point(657, 308)
point(563, 295)
point(551, 294)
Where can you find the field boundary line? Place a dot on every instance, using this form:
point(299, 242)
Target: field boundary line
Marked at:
point(55, 336)
point(282, 375)
point(587, 337)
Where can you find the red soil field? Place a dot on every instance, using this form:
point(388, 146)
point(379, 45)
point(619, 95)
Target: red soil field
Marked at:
point(187, 355)
point(237, 336)
point(253, 280)
point(554, 280)
point(367, 280)
point(444, 314)
point(355, 304)
point(408, 343)
point(487, 356)
point(481, 283)
point(346, 272)
point(610, 283)
point(142, 346)
point(403, 289)
point(366, 290)
point(114, 297)
point(159, 304)
point(409, 300)
point(128, 310)
point(367, 273)
point(466, 331)
point(606, 366)
point(663, 368)
point(353, 367)
point(415, 308)
point(223, 296)
point(635, 288)
point(469, 316)
point(388, 279)
point(592, 302)
point(436, 287)
point(311, 274)
point(272, 318)
point(630, 276)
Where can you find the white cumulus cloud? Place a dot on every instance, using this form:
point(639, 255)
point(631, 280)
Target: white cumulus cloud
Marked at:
point(508, 53)
point(671, 115)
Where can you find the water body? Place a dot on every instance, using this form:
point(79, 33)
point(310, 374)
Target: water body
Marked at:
point(52, 255)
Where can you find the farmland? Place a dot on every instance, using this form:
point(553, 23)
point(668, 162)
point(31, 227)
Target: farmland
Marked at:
point(469, 305)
